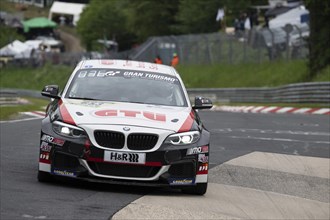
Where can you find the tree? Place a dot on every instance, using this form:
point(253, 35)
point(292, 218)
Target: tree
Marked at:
point(319, 38)
point(8, 35)
point(104, 19)
point(196, 16)
point(151, 18)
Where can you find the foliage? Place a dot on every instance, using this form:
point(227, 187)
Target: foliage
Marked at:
point(319, 39)
point(8, 35)
point(151, 18)
point(133, 21)
point(267, 74)
point(105, 20)
point(197, 16)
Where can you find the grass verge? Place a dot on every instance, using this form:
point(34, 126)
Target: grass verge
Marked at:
point(294, 105)
point(194, 76)
point(12, 112)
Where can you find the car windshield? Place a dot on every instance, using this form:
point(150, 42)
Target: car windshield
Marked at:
point(127, 86)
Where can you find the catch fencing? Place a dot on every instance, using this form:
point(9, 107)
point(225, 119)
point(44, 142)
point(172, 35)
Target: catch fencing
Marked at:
point(252, 46)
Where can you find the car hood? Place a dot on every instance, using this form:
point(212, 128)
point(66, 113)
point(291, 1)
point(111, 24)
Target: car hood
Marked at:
point(85, 112)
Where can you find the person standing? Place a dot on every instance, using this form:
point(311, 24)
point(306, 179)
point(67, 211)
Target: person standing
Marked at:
point(175, 60)
point(158, 60)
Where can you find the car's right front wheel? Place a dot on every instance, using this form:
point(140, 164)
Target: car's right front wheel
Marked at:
point(199, 189)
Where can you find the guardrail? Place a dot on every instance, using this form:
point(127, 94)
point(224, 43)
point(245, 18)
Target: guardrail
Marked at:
point(8, 98)
point(318, 92)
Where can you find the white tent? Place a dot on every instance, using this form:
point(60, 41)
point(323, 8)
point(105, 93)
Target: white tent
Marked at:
point(64, 8)
point(14, 49)
point(292, 17)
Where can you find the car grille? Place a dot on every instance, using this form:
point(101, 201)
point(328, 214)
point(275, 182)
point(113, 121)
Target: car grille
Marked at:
point(124, 170)
point(116, 140)
point(110, 139)
point(141, 141)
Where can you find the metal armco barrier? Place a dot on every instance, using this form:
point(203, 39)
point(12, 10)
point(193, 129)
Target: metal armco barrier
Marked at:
point(318, 92)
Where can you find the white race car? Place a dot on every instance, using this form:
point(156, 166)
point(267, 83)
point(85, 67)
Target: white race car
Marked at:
point(125, 122)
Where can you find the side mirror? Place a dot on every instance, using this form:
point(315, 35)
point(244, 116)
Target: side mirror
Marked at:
point(202, 103)
point(50, 91)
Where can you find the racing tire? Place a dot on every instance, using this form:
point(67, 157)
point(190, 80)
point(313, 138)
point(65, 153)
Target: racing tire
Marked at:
point(199, 189)
point(44, 177)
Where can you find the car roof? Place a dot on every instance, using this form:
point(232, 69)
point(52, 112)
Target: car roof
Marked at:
point(127, 65)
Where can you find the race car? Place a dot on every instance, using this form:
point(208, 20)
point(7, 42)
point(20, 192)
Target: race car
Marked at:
point(125, 122)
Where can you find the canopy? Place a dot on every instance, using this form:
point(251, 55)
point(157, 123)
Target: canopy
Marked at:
point(295, 16)
point(40, 22)
point(277, 11)
point(65, 8)
point(14, 48)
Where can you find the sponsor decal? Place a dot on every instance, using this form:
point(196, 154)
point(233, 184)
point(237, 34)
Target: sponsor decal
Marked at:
point(152, 76)
point(107, 62)
point(134, 114)
point(52, 140)
point(124, 157)
point(91, 104)
point(88, 73)
point(45, 147)
point(182, 181)
point(64, 173)
point(97, 73)
point(44, 156)
point(203, 158)
point(128, 63)
point(203, 168)
point(198, 150)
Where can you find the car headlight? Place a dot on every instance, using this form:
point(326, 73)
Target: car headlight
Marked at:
point(68, 130)
point(183, 138)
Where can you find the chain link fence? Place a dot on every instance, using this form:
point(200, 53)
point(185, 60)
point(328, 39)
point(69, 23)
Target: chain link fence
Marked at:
point(253, 46)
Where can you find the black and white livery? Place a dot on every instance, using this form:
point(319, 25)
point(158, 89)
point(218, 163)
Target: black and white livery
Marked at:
point(125, 122)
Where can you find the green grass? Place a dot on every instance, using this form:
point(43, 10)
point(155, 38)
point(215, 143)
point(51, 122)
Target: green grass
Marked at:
point(11, 112)
point(324, 75)
point(245, 75)
point(34, 78)
point(295, 105)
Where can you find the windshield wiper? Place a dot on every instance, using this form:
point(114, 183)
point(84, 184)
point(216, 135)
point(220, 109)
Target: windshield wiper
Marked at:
point(83, 98)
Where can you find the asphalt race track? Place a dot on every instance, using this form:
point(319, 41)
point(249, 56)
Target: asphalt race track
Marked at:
point(273, 166)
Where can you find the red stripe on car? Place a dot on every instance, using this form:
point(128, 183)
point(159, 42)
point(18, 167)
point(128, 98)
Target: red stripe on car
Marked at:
point(47, 161)
point(186, 126)
point(65, 114)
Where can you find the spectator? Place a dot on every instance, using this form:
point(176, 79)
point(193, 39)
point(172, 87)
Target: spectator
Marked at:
point(175, 60)
point(158, 60)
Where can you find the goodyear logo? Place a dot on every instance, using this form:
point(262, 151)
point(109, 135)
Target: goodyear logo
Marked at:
point(182, 181)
